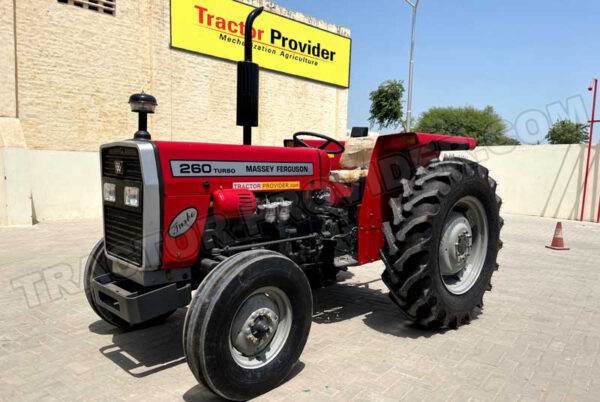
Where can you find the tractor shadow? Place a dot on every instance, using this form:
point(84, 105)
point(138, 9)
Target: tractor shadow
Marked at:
point(200, 393)
point(149, 351)
point(145, 351)
point(345, 301)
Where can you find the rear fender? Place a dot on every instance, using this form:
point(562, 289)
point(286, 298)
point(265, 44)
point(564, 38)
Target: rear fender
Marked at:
point(395, 157)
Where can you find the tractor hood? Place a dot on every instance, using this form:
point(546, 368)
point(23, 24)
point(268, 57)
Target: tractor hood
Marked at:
point(191, 168)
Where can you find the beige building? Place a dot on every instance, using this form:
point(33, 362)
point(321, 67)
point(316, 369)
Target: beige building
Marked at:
point(67, 68)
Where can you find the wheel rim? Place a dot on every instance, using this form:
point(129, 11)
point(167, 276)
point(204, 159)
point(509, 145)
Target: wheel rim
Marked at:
point(260, 328)
point(463, 245)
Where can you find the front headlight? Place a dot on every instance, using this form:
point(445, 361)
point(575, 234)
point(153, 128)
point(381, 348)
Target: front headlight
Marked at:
point(132, 196)
point(110, 192)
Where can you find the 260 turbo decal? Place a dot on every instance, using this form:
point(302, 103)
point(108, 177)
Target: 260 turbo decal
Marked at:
point(194, 168)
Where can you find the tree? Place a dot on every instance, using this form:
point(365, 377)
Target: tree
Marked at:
point(485, 125)
point(508, 141)
point(386, 104)
point(568, 132)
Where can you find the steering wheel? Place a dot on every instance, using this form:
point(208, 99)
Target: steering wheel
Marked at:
point(328, 140)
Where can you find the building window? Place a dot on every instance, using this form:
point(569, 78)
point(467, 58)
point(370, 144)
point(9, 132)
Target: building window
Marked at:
point(101, 6)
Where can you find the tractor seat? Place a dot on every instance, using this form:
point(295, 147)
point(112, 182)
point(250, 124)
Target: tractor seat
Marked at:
point(357, 154)
point(347, 176)
point(355, 159)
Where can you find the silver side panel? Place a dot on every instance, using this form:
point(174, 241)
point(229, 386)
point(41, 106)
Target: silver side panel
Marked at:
point(151, 206)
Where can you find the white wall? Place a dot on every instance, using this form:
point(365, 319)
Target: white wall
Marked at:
point(65, 185)
point(15, 195)
point(543, 180)
point(15, 178)
point(539, 180)
point(39, 186)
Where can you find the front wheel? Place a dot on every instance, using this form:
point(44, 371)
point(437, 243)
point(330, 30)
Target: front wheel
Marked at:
point(248, 323)
point(442, 245)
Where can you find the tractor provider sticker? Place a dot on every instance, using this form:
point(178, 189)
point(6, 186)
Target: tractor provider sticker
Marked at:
point(268, 186)
point(183, 222)
point(216, 28)
point(239, 169)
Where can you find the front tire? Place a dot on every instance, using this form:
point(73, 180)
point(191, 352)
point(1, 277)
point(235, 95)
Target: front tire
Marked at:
point(248, 323)
point(442, 244)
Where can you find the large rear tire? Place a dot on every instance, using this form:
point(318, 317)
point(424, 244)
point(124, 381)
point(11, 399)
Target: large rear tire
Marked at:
point(442, 244)
point(248, 323)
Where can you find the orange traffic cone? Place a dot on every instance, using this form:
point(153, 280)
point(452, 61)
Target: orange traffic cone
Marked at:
point(558, 243)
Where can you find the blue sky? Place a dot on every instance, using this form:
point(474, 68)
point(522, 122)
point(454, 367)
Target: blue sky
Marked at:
point(521, 57)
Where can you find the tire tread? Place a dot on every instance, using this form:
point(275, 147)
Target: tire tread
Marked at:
point(406, 238)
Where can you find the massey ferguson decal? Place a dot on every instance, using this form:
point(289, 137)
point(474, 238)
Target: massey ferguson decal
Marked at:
point(183, 222)
point(239, 169)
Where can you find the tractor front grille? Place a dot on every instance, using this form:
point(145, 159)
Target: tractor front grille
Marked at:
point(127, 158)
point(123, 234)
point(123, 225)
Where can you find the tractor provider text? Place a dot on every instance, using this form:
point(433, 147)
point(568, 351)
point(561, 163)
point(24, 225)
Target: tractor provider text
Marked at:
point(278, 40)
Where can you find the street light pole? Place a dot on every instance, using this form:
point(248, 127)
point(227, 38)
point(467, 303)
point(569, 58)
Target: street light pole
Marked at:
point(412, 63)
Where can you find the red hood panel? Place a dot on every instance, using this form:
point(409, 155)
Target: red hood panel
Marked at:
point(192, 168)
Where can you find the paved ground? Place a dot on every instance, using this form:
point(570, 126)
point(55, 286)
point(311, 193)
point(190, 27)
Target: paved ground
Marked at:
point(538, 338)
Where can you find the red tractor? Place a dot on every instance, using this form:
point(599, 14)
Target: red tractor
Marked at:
point(251, 228)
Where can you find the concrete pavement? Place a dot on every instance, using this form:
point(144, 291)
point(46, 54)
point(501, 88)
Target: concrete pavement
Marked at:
point(537, 339)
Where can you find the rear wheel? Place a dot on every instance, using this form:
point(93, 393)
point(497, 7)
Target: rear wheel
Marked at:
point(442, 244)
point(248, 323)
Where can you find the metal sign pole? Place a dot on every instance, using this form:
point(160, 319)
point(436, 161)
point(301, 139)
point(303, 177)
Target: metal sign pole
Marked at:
point(594, 86)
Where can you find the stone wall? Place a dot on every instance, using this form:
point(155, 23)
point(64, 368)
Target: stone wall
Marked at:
point(77, 68)
point(66, 74)
point(7, 60)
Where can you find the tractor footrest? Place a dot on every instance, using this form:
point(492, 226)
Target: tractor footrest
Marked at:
point(136, 305)
point(344, 261)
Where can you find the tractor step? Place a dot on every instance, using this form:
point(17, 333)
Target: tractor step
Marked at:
point(344, 261)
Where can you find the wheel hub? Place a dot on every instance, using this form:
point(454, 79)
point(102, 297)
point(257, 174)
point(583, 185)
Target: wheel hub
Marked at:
point(261, 328)
point(463, 245)
point(255, 325)
point(456, 244)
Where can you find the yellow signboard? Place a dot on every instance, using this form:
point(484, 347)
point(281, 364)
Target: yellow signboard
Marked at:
point(216, 28)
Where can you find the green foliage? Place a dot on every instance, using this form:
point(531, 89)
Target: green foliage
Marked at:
point(568, 132)
point(508, 141)
point(386, 104)
point(485, 125)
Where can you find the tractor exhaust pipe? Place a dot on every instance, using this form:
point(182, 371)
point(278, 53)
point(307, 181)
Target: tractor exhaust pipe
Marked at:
point(248, 32)
point(247, 90)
